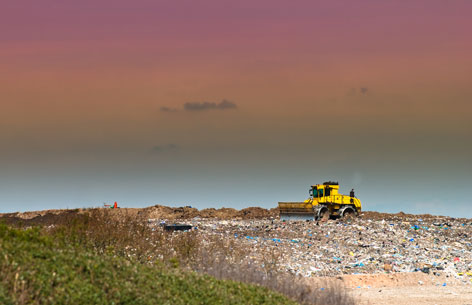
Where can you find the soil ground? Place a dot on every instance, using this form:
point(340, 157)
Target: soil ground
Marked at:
point(429, 295)
point(176, 213)
point(47, 217)
point(402, 288)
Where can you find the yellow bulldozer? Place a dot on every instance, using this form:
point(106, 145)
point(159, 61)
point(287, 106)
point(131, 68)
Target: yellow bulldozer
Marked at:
point(324, 202)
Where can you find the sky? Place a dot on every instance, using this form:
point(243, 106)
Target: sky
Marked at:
point(218, 103)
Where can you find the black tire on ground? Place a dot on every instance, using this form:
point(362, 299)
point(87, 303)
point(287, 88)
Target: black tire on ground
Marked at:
point(324, 214)
point(349, 214)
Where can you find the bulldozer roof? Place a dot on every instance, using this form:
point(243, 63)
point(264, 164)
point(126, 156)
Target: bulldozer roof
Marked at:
point(330, 183)
point(333, 185)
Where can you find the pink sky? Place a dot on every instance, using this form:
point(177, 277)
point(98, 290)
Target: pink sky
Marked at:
point(83, 83)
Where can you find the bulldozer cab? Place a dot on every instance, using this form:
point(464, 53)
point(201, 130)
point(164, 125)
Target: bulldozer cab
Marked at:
point(323, 190)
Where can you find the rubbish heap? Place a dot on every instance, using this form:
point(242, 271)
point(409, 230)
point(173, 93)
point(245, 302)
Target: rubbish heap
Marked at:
point(436, 245)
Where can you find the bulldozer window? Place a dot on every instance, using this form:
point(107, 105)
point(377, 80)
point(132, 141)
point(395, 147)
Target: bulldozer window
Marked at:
point(320, 193)
point(328, 191)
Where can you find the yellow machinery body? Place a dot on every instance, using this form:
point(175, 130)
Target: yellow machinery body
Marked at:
point(324, 202)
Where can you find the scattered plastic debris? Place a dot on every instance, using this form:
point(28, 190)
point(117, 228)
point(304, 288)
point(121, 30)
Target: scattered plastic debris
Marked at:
point(361, 246)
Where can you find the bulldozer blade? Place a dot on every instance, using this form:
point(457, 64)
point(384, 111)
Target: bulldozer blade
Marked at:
point(288, 217)
point(296, 211)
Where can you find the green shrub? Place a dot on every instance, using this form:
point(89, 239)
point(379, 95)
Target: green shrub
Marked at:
point(42, 269)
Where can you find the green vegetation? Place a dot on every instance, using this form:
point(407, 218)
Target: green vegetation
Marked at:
point(42, 268)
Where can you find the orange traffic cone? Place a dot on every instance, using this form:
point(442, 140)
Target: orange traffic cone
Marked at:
point(115, 206)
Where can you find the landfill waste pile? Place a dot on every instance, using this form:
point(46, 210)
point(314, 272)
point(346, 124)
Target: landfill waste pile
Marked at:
point(373, 243)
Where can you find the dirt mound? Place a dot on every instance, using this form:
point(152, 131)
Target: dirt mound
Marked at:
point(396, 216)
point(257, 213)
point(163, 212)
point(187, 212)
point(48, 217)
point(223, 213)
point(39, 218)
point(35, 214)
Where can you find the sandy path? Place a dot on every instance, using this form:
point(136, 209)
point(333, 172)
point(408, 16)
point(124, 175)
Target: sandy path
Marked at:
point(405, 288)
point(414, 288)
point(429, 295)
